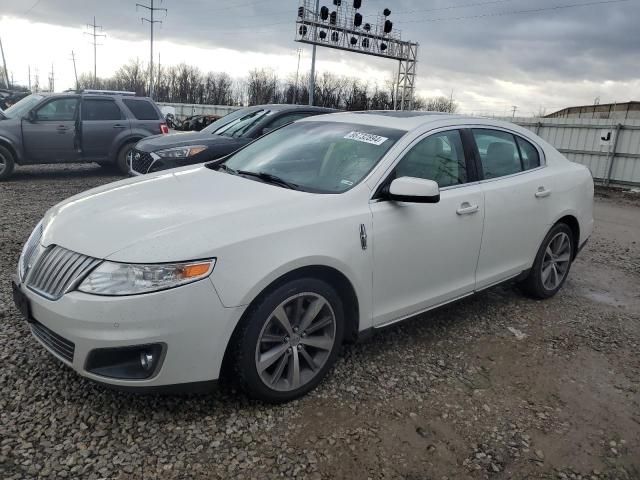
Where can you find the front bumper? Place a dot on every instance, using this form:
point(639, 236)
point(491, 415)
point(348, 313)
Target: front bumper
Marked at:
point(189, 320)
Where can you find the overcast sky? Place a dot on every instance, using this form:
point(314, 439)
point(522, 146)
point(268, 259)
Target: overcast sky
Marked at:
point(490, 54)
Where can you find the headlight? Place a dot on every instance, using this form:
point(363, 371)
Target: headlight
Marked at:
point(31, 250)
point(181, 152)
point(115, 279)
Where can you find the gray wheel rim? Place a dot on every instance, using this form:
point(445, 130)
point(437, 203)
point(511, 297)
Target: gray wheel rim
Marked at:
point(556, 261)
point(3, 164)
point(295, 342)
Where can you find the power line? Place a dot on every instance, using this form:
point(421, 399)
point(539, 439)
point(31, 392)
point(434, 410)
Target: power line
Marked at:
point(451, 7)
point(95, 36)
point(152, 10)
point(517, 12)
point(32, 7)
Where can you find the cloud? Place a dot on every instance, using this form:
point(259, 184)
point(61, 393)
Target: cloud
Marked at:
point(551, 57)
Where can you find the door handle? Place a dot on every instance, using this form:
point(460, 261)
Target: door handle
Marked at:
point(467, 209)
point(542, 192)
point(119, 126)
point(62, 129)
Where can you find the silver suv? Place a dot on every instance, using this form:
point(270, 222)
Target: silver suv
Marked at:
point(88, 126)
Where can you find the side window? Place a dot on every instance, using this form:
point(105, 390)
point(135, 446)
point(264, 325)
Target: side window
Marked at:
point(529, 153)
point(141, 109)
point(439, 157)
point(498, 152)
point(100, 110)
point(60, 110)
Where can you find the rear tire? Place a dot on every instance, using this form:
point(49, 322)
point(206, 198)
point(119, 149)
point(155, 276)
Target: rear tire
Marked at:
point(288, 341)
point(7, 163)
point(122, 160)
point(552, 264)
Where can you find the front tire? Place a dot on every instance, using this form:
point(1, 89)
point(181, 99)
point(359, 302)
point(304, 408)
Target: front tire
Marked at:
point(122, 159)
point(552, 264)
point(7, 163)
point(288, 340)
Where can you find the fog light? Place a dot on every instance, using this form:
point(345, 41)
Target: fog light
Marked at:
point(136, 362)
point(146, 360)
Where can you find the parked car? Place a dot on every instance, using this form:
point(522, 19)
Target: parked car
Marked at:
point(221, 138)
point(316, 234)
point(89, 126)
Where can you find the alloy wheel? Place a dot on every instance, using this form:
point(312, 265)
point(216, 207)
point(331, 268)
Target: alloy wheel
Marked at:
point(556, 261)
point(3, 163)
point(295, 342)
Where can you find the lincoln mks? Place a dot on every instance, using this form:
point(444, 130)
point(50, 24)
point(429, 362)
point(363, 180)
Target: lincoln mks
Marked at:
point(262, 264)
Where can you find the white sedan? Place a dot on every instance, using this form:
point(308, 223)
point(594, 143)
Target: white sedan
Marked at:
point(263, 264)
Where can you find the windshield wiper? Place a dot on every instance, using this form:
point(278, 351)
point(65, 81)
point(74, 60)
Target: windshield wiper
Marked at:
point(269, 178)
point(222, 166)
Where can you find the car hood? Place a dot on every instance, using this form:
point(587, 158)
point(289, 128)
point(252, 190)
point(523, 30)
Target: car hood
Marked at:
point(166, 217)
point(160, 142)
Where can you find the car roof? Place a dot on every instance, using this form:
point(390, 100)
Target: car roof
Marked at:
point(281, 107)
point(404, 120)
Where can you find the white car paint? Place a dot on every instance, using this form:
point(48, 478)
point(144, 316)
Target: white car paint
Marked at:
point(417, 256)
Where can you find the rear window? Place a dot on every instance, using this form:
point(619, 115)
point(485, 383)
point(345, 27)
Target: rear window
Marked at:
point(142, 109)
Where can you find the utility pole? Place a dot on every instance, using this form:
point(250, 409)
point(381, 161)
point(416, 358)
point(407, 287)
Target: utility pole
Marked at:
point(152, 23)
point(312, 78)
point(95, 36)
point(4, 63)
point(295, 90)
point(75, 70)
point(29, 77)
point(52, 81)
point(515, 109)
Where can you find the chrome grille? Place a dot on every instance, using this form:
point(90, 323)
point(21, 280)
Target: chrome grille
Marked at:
point(57, 270)
point(141, 161)
point(55, 342)
point(30, 250)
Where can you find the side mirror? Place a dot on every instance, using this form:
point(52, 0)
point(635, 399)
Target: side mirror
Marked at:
point(31, 116)
point(414, 190)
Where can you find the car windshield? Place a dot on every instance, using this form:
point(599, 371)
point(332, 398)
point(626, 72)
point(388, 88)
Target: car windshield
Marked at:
point(227, 119)
point(242, 125)
point(21, 108)
point(316, 156)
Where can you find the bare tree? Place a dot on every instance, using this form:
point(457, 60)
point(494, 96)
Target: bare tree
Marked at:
point(439, 104)
point(262, 86)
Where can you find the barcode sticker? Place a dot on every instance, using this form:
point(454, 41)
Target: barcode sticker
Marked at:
point(366, 138)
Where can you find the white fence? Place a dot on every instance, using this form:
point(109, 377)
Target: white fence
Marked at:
point(184, 110)
point(610, 149)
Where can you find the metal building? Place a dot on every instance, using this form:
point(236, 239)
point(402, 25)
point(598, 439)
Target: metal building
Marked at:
point(614, 111)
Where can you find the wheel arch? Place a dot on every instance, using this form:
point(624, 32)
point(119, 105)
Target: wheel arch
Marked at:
point(334, 277)
point(572, 222)
point(121, 143)
point(12, 149)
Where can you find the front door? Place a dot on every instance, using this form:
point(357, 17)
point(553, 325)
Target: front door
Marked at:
point(426, 254)
point(102, 123)
point(52, 134)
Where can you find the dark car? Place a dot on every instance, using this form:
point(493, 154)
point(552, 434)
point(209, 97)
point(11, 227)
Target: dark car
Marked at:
point(87, 126)
point(222, 137)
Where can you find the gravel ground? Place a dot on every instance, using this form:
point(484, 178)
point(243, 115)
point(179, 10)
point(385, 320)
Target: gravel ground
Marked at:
point(497, 386)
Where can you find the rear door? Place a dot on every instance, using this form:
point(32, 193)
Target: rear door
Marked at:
point(52, 136)
point(517, 191)
point(102, 123)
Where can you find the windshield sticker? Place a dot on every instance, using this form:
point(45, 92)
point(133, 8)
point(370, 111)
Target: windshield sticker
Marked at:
point(366, 138)
point(347, 182)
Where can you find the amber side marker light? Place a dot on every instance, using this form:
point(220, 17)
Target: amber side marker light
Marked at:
point(196, 270)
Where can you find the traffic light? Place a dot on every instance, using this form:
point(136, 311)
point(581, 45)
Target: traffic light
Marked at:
point(366, 42)
point(335, 36)
point(324, 13)
point(383, 47)
point(337, 3)
point(388, 26)
point(303, 30)
point(323, 35)
point(333, 18)
point(367, 27)
point(386, 12)
point(354, 41)
point(357, 20)
point(357, 4)
point(301, 12)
